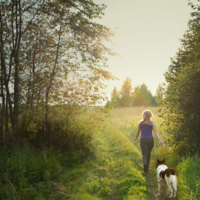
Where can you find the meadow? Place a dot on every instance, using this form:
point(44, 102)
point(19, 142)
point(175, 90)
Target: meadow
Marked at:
point(111, 171)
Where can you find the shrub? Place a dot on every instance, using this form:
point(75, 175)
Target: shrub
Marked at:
point(69, 128)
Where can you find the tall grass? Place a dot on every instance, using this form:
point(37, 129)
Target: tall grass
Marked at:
point(189, 178)
point(24, 173)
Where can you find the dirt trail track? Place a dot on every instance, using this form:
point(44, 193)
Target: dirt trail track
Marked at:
point(154, 188)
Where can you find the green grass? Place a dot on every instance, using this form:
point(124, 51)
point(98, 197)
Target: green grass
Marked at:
point(25, 172)
point(113, 171)
point(189, 178)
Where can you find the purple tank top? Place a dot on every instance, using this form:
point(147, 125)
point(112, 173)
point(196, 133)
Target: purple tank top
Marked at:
point(146, 131)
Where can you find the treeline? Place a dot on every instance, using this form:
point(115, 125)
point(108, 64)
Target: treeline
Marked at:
point(128, 96)
point(181, 105)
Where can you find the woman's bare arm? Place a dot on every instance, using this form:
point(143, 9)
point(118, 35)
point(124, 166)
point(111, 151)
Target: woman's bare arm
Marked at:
point(156, 133)
point(138, 132)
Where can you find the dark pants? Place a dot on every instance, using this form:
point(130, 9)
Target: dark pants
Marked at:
point(146, 145)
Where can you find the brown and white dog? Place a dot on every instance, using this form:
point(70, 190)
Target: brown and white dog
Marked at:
point(168, 175)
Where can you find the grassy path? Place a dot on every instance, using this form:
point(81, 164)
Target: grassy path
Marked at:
point(115, 170)
point(127, 122)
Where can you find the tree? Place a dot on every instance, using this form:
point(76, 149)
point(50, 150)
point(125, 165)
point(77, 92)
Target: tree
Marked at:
point(46, 45)
point(115, 97)
point(159, 94)
point(141, 96)
point(125, 93)
point(181, 103)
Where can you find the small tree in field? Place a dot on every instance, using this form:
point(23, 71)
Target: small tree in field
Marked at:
point(142, 96)
point(125, 93)
point(115, 97)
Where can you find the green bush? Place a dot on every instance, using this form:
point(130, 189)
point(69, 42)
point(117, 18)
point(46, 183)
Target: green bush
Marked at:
point(69, 128)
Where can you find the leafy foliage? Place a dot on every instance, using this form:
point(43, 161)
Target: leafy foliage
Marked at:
point(159, 94)
point(142, 96)
point(52, 52)
point(181, 104)
point(70, 129)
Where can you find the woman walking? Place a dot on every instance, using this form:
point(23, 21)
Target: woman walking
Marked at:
point(147, 141)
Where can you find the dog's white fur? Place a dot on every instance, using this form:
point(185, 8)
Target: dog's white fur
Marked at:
point(171, 181)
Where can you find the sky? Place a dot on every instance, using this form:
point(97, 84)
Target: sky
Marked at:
point(148, 34)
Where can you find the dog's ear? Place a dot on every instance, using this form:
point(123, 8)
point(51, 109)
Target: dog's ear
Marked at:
point(158, 160)
point(163, 160)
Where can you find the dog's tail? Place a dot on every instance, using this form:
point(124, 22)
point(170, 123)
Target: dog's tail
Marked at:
point(171, 171)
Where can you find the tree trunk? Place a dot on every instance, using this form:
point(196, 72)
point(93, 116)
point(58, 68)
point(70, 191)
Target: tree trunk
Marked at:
point(2, 107)
point(16, 95)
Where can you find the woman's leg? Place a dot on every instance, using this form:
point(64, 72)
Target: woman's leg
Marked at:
point(144, 148)
point(150, 147)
